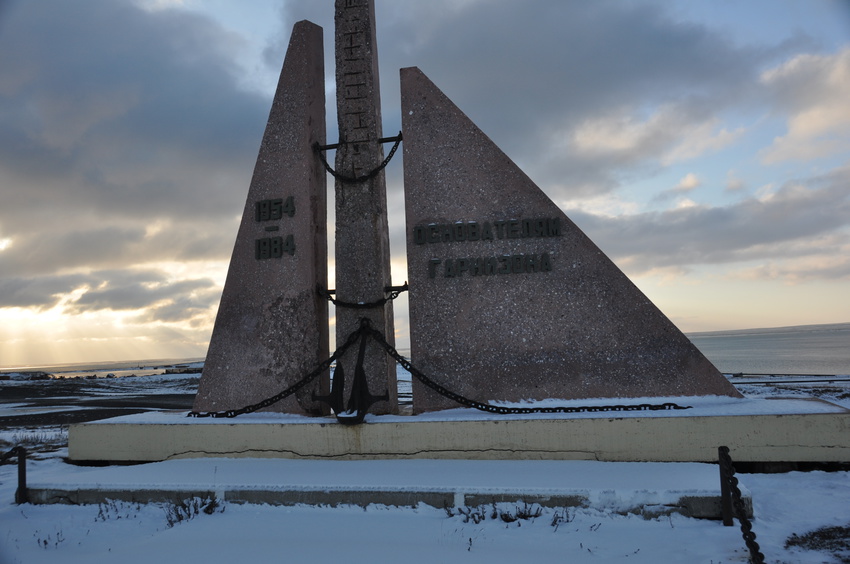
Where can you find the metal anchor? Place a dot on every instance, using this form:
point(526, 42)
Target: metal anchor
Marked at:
point(360, 400)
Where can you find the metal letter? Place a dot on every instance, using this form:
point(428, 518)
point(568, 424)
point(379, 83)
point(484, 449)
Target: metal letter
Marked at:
point(517, 264)
point(514, 229)
point(500, 229)
point(553, 228)
point(459, 231)
point(505, 264)
point(545, 263)
point(451, 270)
point(432, 267)
point(419, 236)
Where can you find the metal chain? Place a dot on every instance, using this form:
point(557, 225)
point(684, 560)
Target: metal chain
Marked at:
point(366, 330)
point(357, 179)
point(503, 410)
point(393, 290)
point(756, 557)
point(288, 391)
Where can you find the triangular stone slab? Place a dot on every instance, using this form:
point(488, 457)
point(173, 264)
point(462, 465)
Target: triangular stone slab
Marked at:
point(272, 325)
point(509, 300)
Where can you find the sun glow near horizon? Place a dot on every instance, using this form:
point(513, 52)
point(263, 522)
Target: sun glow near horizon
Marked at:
point(32, 338)
point(706, 152)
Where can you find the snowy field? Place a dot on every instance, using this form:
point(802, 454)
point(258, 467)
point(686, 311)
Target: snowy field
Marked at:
point(785, 505)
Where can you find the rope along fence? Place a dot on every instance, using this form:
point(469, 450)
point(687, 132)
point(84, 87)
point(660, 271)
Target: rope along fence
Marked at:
point(366, 331)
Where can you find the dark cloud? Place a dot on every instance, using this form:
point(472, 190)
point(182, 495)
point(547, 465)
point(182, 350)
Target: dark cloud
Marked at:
point(113, 111)
point(48, 251)
point(41, 293)
point(529, 73)
point(194, 307)
point(582, 60)
point(90, 244)
point(685, 186)
point(164, 298)
point(137, 294)
point(531, 91)
point(168, 302)
point(800, 219)
point(112, 118)
point(127, 139)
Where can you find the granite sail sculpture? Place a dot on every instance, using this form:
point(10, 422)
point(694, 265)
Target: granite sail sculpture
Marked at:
point(272, 326)
point(509, 300)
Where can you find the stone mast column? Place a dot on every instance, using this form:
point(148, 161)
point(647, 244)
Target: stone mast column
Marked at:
point(362, 236)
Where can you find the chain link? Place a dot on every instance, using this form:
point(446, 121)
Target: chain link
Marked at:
point(357, 179)
point(288, 391)
point(504, 410)
point(366, 330)
point(756, 557)
point(394, 292)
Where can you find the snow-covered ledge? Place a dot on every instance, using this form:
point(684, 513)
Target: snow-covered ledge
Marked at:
point(757, 430)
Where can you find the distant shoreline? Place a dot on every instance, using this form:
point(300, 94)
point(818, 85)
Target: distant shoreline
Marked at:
point(773, 330)
point(98, 366)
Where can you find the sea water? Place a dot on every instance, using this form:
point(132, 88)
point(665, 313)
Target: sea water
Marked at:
point(808, 349)
point(115, 369)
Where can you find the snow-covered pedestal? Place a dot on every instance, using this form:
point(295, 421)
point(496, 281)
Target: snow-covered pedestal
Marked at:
point(756, 430)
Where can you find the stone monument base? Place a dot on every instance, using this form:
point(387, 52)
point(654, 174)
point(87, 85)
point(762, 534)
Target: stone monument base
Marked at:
point(649, 489)
point(756, 430)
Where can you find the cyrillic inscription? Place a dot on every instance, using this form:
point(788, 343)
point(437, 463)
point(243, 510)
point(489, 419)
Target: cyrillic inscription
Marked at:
point(464, 231)
point(486, 231)
point(487, 266)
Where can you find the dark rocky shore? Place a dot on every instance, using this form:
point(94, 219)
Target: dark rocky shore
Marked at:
point(42, 402)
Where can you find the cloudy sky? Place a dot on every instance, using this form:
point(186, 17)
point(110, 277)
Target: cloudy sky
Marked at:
point(703, 145)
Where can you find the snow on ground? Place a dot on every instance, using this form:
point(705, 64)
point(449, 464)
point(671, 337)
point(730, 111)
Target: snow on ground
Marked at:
point(154, 383)
point(784, 504)
point(704, 406)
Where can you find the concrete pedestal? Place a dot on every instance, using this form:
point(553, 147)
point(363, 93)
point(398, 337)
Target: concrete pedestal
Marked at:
point(781, 430)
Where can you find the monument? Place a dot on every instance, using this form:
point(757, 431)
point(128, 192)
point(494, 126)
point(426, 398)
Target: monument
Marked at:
point(509, 300)
point(362, 238)
point(272, 326)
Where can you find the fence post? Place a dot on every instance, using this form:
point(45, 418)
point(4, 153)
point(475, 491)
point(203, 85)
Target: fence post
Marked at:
point(725, 491)
point(21, 495)
point(727, 472)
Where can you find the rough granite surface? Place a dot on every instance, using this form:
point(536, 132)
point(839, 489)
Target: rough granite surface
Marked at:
point(362, 236)
point(509, 299)
point(272, 325)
